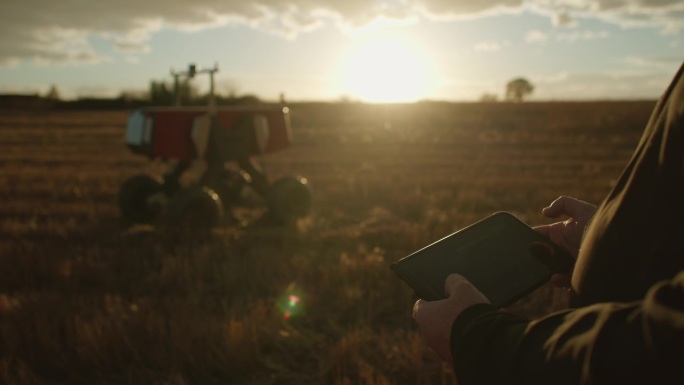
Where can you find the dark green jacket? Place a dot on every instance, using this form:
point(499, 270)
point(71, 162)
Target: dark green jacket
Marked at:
point(627, 325)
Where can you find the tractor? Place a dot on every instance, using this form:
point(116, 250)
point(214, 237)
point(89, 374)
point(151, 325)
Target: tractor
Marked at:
point(209, 153)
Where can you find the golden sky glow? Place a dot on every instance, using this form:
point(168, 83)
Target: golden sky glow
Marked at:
point(387, 69)
point(376, 51)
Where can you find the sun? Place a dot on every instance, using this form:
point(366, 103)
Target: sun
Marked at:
point(387, 70)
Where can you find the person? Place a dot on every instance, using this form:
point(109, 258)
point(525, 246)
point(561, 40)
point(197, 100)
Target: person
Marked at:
point(625, 323)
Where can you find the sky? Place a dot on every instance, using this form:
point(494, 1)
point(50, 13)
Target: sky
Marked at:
point(375, 51)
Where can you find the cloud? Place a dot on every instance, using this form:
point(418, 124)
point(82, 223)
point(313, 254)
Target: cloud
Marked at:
point(563, 19)
point(488, 46)
point(535, 37)
point(540, 37)
point(61, 32)
point(46, 45)
point(565, 85)
point(449, 9)
point(657, 63)
point(602, 85)
point(130, 46)
point(22, 89)
point(553, 78)
point(96, 91)
point(581, 35)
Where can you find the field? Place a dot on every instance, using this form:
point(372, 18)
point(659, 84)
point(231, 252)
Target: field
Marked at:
point(86, 299)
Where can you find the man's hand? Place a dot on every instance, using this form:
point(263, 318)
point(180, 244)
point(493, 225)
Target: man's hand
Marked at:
point(566, 234)
point(436, 318)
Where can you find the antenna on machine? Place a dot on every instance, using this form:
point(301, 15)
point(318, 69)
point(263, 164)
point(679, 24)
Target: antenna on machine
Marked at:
point(190, 74)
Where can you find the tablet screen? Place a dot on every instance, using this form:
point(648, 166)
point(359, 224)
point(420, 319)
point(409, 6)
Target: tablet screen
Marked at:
point(494, 254)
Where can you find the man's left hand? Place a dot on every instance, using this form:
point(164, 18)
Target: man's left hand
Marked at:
point(436, 318)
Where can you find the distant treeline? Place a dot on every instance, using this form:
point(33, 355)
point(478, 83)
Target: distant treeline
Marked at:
point(159, 96)
point(128, 103)
point(37, 102)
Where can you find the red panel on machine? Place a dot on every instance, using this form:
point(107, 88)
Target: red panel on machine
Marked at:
point(171, 134)
point(172, 128)
point(278, 127)
point(280, 136)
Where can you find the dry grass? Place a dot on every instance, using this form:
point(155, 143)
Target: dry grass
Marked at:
point(86, 300)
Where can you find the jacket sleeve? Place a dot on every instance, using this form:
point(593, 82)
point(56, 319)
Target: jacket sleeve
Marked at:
point(609, 343)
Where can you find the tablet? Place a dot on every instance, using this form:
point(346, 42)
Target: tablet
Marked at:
point(500, 255)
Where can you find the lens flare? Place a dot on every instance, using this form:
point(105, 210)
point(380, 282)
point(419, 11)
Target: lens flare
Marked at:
point(293, 300)
point(290, 304)
point(292, 308)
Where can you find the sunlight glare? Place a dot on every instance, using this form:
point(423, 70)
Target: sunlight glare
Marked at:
point(388, 70)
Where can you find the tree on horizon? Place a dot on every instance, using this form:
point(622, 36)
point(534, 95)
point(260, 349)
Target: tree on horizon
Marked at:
point(53, 93)
point(518, 89)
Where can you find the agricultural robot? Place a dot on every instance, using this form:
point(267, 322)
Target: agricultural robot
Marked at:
point(210, 152)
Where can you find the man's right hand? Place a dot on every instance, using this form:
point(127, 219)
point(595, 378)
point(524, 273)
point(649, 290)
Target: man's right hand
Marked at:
point(566, 234)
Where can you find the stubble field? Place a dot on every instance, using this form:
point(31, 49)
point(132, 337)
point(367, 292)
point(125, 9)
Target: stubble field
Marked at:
point(87, 299)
